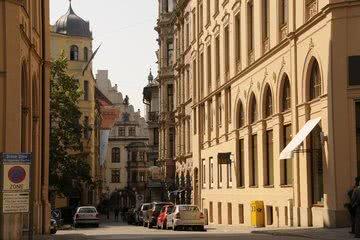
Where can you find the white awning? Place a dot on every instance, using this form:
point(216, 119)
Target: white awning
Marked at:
point(299, 138)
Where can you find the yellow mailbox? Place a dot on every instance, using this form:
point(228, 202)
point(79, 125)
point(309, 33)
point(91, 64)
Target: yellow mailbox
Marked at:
point(257, 214)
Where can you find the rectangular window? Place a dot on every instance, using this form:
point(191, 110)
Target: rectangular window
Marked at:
point(311, 8)
point(170, 98)
point(229, 174)
point(354, 70)
point(287, 163)
point(194, 80)
point(284, 12)
point(201, 18)
point(208, 6)
point(229, 208)
point(219, 213)
point(171, 143)
point(211, 172)
point(201, 83)
point(132, 131)
point(203, 173)
point(217, 59)
point(187, 34)
point(254, 162)
point(188, 84)
point(217, 6)
point(202, 122)
point(115, 176)
point(220, 175)
point(228, 105)
point(266, 19)
point(156, 136)
point(121, 131)
point(211, 212)
point(169, 53)
point(209, 68)
point(357, 113)
point(241, 213)
point(237, 39)
point(269, 164)
point(218, 110)
point(86, 90)
point(195, 122)
point(210, 115)
point(240, 166)
point(227, 52)
point(250, 26)
point(193, 25)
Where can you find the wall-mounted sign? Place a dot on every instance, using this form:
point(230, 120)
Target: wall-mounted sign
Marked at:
point(224, 158)
point(16, 177)
point(15, 202)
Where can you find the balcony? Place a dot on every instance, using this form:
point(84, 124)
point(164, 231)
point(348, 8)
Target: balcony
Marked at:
point(153, 117)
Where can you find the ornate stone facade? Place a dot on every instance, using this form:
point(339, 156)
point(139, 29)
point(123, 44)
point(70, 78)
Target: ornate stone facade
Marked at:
point(250, 75)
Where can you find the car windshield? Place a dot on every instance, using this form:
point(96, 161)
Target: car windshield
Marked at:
point(87, 210)
point(158, 207)
point(189, 208)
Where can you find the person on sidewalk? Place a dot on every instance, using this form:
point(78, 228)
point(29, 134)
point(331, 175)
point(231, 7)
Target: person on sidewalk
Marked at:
point(355, 205)
point(352, 211)
point(116, 213)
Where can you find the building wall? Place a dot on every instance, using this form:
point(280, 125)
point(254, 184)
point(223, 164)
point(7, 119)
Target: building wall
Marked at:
point(122, 142)
point(24, 115)
point(61, 44)
point(314, 33)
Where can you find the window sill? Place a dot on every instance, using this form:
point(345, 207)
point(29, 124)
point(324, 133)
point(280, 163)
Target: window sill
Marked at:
point(268, 186)
point(254, 186)
point(241, 187)
point(318, 205)
point(286, 186)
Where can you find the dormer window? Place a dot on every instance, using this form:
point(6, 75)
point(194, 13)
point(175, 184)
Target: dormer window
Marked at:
point(74, 53)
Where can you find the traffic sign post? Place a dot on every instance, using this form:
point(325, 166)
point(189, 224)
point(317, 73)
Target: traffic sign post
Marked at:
point(15, 188)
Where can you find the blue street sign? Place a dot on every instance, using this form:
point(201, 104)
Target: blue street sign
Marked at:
point(15, 157)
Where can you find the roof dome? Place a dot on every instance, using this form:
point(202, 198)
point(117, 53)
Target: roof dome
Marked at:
point(72, 25)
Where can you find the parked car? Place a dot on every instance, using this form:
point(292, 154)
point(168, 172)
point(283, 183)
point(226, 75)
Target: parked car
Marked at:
point(184, 216)
point(162, 219)
point(86, 215)
point(53, 226)
point(143, 211)
point(150, 219)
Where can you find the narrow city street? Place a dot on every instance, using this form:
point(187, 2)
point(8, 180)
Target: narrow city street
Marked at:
point(115, 231)
point(109, 230)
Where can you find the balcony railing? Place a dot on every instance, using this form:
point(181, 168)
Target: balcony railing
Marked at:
point(153, 117)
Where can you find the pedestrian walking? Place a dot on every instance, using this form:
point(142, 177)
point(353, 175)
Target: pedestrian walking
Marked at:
point(355, 208)
point(116, 214)
point(351, 210)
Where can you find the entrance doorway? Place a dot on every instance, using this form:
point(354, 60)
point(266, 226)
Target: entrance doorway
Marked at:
point(316, 167)
point(357, 112)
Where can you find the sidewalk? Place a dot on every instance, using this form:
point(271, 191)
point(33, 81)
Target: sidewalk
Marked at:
point(310, 233)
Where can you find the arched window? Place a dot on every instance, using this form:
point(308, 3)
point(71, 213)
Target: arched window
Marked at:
point(268, 103)
point(253, 109)
point(286, 95)
point(74, 53)
point(241, 117)
point(115, 155)
point(86, 54)
point(315, 81)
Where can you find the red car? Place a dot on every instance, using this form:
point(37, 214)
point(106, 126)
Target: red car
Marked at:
point(162, 219)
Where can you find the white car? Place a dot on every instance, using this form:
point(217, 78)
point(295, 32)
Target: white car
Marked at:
point(184, 216)
point(86, 215)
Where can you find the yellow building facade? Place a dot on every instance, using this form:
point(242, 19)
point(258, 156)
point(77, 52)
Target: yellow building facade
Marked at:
point(24, 106)
point(268, 86)
point(71, 35)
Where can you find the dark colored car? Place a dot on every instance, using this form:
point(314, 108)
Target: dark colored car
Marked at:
point(150, 219)
point(162, 219)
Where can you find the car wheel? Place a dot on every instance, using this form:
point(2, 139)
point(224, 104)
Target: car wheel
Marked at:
point(53, 231)
point(97, 225)
point(175, 228)
point(149, 225)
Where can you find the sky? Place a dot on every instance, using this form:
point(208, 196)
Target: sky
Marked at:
point(126, 31)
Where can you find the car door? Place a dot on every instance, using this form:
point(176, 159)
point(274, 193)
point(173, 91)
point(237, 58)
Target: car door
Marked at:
point(170, 217)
